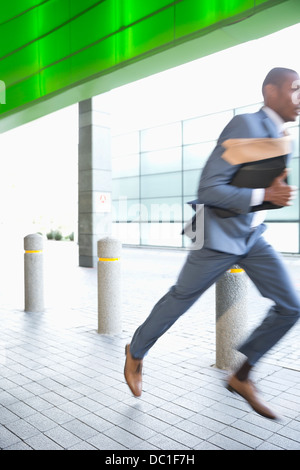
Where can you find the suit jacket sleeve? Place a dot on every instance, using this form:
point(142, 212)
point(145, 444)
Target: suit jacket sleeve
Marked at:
point(214, 187)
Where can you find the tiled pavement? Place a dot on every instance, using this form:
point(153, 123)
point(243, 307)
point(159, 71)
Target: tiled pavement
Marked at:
point(62, 386)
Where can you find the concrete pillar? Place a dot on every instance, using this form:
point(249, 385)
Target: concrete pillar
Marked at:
point(109, 286)
point(95, 183)
point(231, 317)
point(34, 273)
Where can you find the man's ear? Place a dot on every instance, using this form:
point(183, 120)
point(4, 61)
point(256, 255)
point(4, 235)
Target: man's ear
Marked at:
point(270, 91)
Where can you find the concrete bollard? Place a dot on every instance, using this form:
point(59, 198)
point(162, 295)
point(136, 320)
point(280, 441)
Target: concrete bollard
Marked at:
point(231, 317)
point(109, 286)
point(34, 273)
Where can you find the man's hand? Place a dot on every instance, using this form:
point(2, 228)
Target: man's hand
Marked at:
point(280, 193)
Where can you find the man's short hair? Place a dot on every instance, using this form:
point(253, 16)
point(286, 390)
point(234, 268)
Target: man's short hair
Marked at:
point(277, 76)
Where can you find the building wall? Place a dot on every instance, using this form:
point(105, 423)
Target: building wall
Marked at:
point(156, 172)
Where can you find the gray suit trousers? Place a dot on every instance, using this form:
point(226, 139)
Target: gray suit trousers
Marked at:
point(202, 269)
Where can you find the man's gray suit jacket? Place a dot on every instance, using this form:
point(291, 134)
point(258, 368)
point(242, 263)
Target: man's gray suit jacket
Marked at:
point(234, 234)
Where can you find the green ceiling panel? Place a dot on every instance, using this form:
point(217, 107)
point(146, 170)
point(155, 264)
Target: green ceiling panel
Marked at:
point(12, 9)
point(96, 24)
point(24, 92)
point(53, 14)
point(141, 37)
point(17, 67)
point(56, 76)
point(195, 16)
point(54, 47)
point(89, 61)
point(79, 6)
point(131, 11)
point(21, 30)
point(57, 45)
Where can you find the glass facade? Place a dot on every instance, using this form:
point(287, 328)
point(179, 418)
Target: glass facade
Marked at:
point(156, 172)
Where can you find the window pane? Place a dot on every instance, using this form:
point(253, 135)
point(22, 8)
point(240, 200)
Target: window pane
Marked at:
point(190, 183)
point(293, 177)
point(205, 128)
point(276, 234)
point(252, 108)
point(125, 166)
point(161, 161)
point(195, 156)
point(125, 187)
point(288, 212)
point(125, 144)
point(161, 185)
point(163, 234)
point(161, 137)
point(165, 209)
point(126, 210)
point(188, 211)
point(127, 233)
point(294, 132)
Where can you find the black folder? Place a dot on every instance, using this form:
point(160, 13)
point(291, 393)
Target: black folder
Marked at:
point(259, 174)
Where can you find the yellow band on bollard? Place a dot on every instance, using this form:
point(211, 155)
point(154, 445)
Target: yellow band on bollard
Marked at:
point(235, 270)
point(109, 259)
point(33, 251)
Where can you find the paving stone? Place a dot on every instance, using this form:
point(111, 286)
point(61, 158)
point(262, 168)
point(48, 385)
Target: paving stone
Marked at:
point(7, 438)
point(195, 429)
point(80, 429)
point(152, 423)
point(186, 438)
point(206, 446)
point(165, 416)
point(57, 415)
point(251, 429)
point(268, 446)
point(103, 442)
point(123, 437)
point(6, 416)
point(22, 429)
point(19, 446)
point(145, 446)
point(240, 436)
point(284, 442)
point(83, 446)
point(166, 443)
point(72, 409)
point(42, 442)
point(291, 433)
point(38, 403)
point(178, 410)
point(21, 409)
point(62, 384)
point(226, 443)
point(41, 422)
point(62, 437)
point(208, 422)
point(96, 422)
